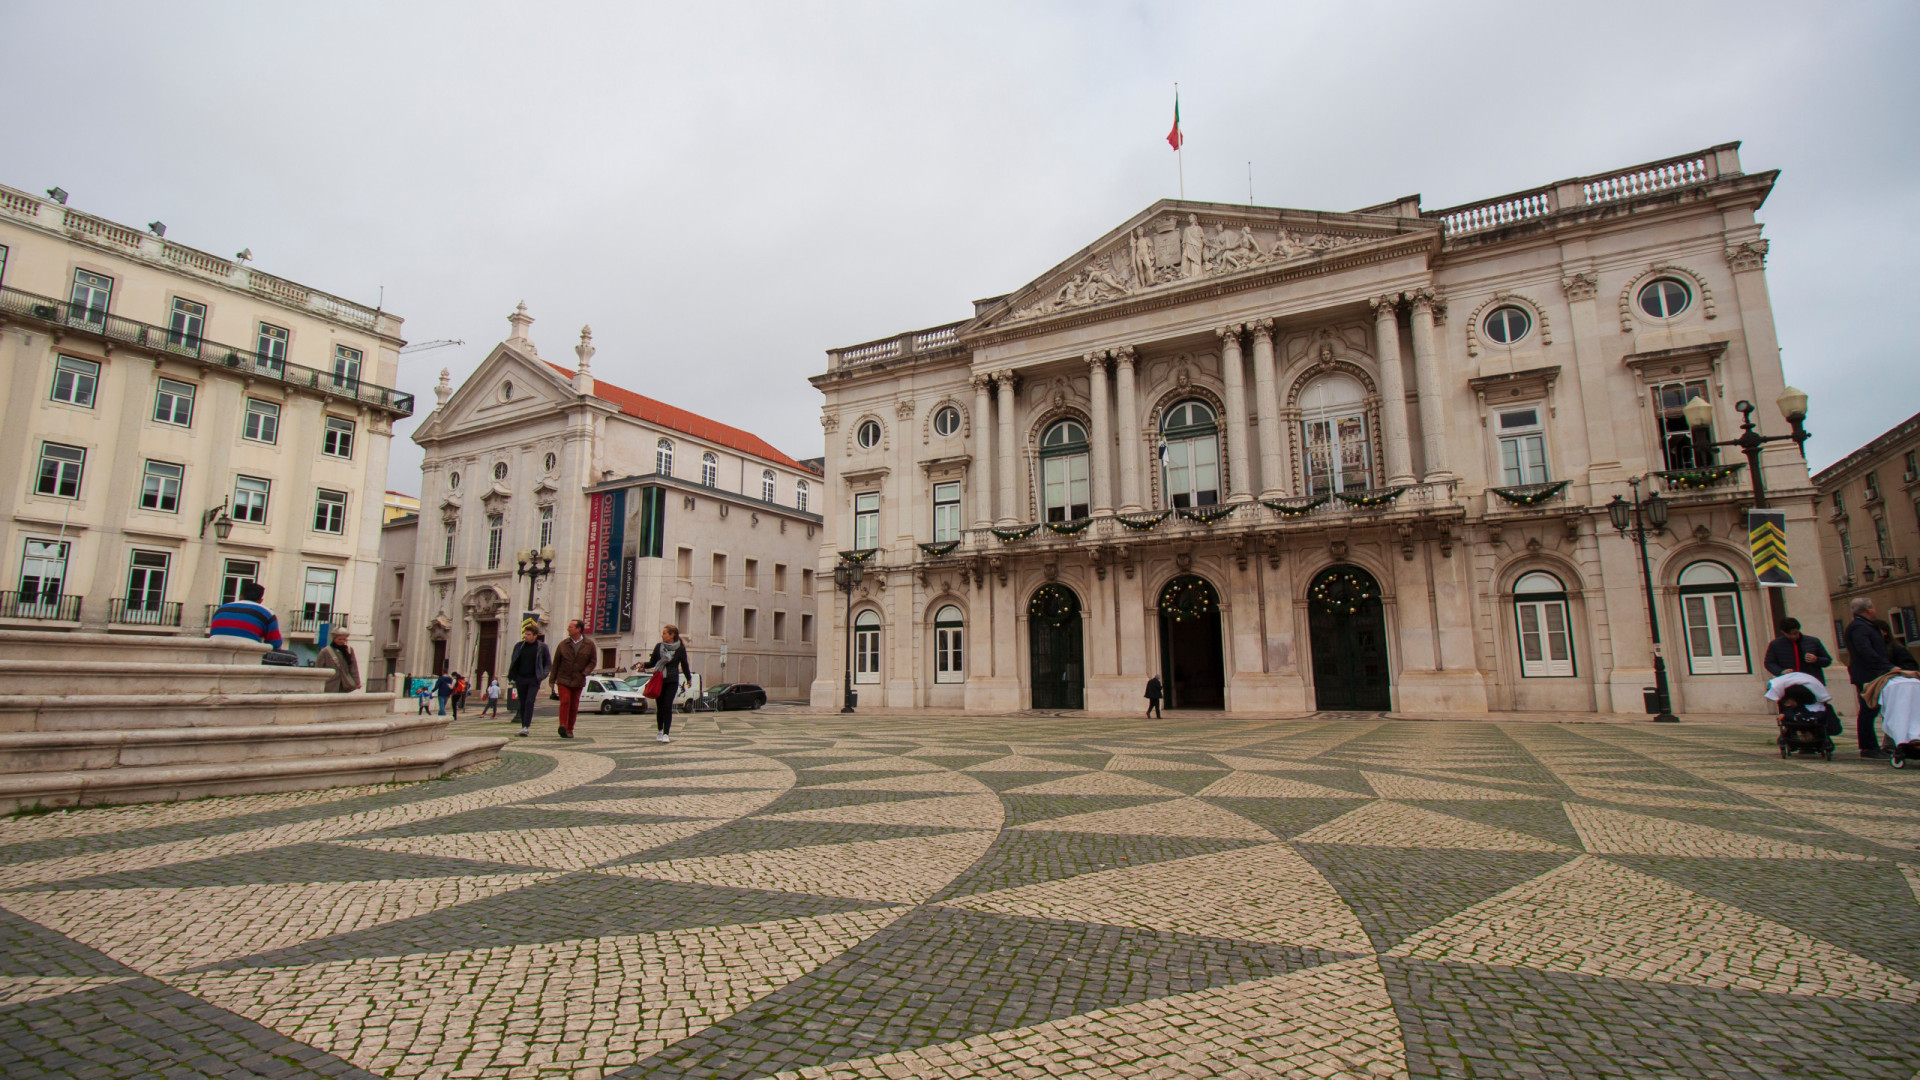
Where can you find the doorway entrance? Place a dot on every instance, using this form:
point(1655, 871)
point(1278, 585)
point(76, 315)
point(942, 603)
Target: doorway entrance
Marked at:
point(1192, 664)
point(439, 656)
point(1348, 629)
point(484, 656)
point(1053, 638)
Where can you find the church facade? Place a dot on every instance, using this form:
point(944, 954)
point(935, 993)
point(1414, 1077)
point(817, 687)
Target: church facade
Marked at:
point(1288, 460)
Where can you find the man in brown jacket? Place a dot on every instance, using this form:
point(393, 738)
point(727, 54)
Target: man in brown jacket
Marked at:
point(338, 657)
point(573, 661)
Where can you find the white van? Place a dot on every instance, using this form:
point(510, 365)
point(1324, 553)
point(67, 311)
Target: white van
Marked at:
point(611, 695)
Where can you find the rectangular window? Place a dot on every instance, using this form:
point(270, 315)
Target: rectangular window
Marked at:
point(779, 577)
point(683, 564)
point(653, 523)
point(1872, 482)
point(716, 621)
point(1913, 456)
point(1523, 448)
point(160, 488)
point(546, 526)
point(1193, 471)
point(1846, 553)
point(316, 596)
point(1839, 503)
point(330, 511)
point(682, 611)
point(806, 582)
point(1883, 538)
point(60, 469)
point(3, 262)
point(751, 573)
point(1066, 487)
point(43, 571)
point(346, 368)
point(250, 499)
point(1338, 455)
point(719, 570)
point(446, 554)
point(1716, 644)
point(235, 573)
point(263, 421)
point(749, 623)
point(949, 652)
point(806, 628)
point(75, 381)
point(866, 652)
point(866, 521)
point(338, 441)
point(779, 626)
point(946, 512)
point(173, 403)
point(91, 295)
point(270, 354)
point(147, 581)
point(189, 322)
point(1546, 645)
point(496, 538)
point(1680, 446)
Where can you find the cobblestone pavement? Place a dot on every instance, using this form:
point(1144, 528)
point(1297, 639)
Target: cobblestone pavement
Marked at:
point(803, 896)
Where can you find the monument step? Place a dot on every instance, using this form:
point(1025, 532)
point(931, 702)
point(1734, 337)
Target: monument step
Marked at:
point(62, 751)
point(61, 646)
point(166, 783)
point(126, 712)
point(77, 678)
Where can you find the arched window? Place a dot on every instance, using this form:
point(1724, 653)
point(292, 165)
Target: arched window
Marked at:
point(866, 647)
point(709, 470)
point(663, 457)
point(800, 495)
point(766, 485)
point(1190, 454)
point(1333, 426)
point(1710, 611)
point(949, 653)
point(1546, 637)
point(1063, 472)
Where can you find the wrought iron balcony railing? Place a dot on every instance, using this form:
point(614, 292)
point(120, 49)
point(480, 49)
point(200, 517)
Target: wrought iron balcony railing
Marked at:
point(37, 605)
point(308, 622)
point(126, 612)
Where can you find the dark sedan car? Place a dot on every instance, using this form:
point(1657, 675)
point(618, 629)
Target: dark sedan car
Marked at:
point(739, 695)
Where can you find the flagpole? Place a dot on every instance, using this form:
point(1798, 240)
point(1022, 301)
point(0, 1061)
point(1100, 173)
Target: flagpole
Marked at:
point(1180, 152)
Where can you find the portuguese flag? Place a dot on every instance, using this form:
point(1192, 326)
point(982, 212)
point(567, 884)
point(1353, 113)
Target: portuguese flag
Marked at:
point(1174, 138)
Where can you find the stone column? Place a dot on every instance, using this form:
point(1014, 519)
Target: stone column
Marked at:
point(1009, 512)
point(1129, 411)
point(1266, 403)
point(1101, 462)
point(981, 472)
point(1233, 371)
point(1393, 389)
point(1427, 376)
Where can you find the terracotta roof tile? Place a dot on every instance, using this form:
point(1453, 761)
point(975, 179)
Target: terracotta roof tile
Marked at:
point(668, 416)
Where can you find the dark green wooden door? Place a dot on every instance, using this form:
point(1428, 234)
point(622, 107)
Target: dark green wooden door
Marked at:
point(1348, 630)
point(1053, 634)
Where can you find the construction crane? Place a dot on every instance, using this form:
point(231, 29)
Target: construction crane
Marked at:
point(423, 346)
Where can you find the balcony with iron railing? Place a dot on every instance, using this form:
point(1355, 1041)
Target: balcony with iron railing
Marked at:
point(1651, 178)
point(39, 606)
point(63, 317)
point(141, 612)
point(309, 620)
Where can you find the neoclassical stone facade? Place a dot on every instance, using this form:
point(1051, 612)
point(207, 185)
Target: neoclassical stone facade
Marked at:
point(1289, 459)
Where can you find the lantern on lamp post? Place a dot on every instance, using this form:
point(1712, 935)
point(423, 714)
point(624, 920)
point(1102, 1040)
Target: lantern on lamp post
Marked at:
point(847, 577)
point(1640, 517)
point(1792, 404)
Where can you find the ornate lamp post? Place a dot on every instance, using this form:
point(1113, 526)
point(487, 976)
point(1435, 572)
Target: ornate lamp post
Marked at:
point(1642, 516)
point(1793, 406)
point(534, 565)
point(846, 578)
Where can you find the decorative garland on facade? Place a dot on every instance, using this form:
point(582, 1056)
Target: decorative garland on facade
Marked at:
point(1054, 605)
point(858, 556)
point(1207, 515)
point(1291, 508)
point(1531, 494)
point(1187, 598)
point(1372, 498)
point(1018, 532)
point(1699, 479)
point(938, 549)
point(1142, 522)
point(1343, 590)
point(1069, 528)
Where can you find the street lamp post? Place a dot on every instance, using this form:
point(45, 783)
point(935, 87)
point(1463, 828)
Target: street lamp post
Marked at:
point(1793, 406)
point(1643, 516)
point(535, 563)
point(846, 578)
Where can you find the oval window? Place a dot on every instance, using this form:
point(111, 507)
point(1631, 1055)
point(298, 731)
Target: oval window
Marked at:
point(946, 421)
point(867, 434)
point(500, 471)
point(453, 479)
point(1663, 298)
point(1508, 324)
point(551, 460)
point(506, 391)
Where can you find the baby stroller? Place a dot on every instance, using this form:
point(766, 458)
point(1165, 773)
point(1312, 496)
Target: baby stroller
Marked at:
point(1806, 721)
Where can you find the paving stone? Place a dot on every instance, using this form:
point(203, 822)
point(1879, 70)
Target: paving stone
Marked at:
point(1397, 892)
point(1025, 857)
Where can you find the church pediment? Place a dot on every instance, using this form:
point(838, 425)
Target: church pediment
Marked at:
point(1175, 246)
point(509, 384)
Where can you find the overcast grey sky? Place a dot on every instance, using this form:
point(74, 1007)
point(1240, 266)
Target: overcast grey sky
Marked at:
point(725, 191)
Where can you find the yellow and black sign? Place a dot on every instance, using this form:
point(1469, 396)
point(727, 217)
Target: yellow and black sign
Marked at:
point(1767, 538)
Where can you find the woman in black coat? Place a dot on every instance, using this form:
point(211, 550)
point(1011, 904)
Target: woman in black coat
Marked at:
point(669, 658)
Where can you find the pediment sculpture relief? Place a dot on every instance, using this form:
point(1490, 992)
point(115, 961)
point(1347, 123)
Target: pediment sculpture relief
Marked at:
point(1165, 253)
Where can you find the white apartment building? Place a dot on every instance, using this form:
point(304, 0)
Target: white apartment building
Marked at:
point(181, 424)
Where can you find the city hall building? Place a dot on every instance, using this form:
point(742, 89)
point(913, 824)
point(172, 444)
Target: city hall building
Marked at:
point(1290, 459)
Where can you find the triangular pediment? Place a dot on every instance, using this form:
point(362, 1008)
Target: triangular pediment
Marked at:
point(509, 384)
point(1175, 246)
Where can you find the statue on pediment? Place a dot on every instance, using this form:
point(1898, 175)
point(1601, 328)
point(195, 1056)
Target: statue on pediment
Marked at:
point(1144, 271)
point(1229, 250)
point(1193, 249)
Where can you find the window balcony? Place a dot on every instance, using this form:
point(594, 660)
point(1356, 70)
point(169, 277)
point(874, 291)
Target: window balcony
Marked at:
point(40, 607)
point(1706, 478)
point(309, 622)
point(124, 612)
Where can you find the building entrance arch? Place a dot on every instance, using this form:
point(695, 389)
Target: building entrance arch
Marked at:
point(1053, 644)
point(1348, 629)
point(1192, 665)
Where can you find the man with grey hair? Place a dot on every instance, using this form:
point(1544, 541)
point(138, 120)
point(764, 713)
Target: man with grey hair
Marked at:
point(1867, 660)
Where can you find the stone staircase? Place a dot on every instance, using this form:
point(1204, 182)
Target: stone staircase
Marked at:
point(114, 718)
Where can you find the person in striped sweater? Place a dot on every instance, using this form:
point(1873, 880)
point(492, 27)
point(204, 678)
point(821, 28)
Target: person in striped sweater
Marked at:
point(246, 618)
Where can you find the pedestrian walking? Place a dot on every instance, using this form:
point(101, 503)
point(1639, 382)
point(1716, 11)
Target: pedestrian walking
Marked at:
point(459, 693)
point(526, 671)
point(443, 689)
point(573, 661)
point(493, 698)
point(1797, 651)
point(1153, 698)
point(1867, 663)
point(338, 658)
point(669, 661)
point(425, 694)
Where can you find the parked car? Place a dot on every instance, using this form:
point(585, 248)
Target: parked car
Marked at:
point(612, 695)
point(730, 696)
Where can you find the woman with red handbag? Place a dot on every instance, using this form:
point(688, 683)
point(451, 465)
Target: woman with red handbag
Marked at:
point(668, 662)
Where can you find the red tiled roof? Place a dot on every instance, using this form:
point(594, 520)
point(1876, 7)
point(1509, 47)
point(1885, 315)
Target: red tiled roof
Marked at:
point(677, 419)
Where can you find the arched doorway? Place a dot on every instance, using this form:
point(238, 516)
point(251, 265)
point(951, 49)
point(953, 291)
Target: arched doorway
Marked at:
point(1053, 641)
point(1348, 629)
point(1192, 667)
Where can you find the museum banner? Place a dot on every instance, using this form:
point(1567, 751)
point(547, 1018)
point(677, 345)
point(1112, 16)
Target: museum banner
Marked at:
point(606, 529)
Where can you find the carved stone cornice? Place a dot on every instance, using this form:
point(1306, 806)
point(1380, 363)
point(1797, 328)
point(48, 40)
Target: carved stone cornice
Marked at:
point(1584, 285)
point(1747, 255)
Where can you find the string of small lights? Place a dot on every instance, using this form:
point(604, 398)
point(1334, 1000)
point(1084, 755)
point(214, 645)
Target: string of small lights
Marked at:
point(1187, 598)
point(1054, 605)
point(1343, 590)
